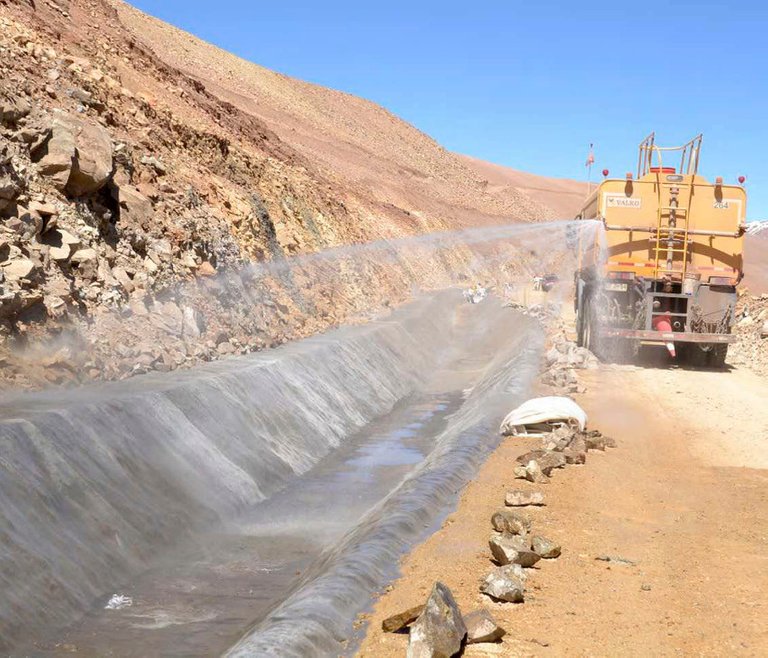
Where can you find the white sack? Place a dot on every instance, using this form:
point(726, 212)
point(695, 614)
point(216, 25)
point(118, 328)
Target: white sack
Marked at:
point(530, 417)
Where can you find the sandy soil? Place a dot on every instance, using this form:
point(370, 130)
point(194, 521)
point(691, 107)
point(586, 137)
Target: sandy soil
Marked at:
point(684, 496)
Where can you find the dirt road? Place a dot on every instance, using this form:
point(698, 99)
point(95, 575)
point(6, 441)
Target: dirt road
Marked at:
point(684, 497)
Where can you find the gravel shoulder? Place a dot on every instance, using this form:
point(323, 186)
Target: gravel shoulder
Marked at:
point(683, 497)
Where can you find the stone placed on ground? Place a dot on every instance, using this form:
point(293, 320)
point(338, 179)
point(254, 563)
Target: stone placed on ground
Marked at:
point(402, 619)
point(439, 631)
point(577, 443)
point(505, 584)
point(482, 627)
point(545, 548)
point(546, 459)
point(510, 522)
point(531, 472)
point(520, 498)
point(512, 549)
point(594, 440)
point(575, 456)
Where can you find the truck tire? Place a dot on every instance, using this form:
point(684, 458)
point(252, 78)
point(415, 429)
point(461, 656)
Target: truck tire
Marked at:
point(581, 325)
point(716, 355)
point(708, 355)
point(619, 350)
point(590, 327)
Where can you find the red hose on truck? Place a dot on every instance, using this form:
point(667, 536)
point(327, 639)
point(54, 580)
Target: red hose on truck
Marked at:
point(663, 323)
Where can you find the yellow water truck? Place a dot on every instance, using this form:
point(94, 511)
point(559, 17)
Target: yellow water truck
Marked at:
point(665, 269)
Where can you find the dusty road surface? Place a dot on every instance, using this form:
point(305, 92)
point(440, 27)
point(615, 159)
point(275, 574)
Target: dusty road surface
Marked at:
point(683, 498)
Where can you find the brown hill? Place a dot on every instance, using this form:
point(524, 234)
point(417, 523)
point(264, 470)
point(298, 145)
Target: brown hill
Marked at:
point(360, 145)
point(562, 195)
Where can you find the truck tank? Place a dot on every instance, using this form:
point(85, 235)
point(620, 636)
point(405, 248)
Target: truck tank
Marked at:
point(666, 267)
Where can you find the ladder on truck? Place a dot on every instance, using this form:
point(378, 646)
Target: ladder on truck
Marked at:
point(674, 199)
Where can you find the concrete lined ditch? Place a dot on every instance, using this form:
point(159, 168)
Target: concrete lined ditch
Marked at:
point(249, 506)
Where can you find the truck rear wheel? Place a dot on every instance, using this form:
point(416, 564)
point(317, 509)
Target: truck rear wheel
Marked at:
point(716, 355)
point(707, 355)
point(581, 325)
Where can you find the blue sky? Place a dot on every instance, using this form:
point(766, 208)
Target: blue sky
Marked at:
point(531, 84)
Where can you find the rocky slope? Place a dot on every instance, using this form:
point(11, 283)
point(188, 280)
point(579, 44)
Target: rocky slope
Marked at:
point(159, 198)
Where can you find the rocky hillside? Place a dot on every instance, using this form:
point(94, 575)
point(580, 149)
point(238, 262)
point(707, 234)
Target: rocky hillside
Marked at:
point(156, 192)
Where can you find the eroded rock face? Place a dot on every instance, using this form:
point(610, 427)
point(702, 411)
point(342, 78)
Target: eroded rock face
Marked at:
point(482, 627)
point(439, 631)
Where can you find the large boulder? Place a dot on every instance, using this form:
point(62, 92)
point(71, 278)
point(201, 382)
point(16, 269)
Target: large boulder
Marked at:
point(19, 268)
point(92, 167)
point(77, 156)
point(87, 263)
point(56, 155)
point(439, 631)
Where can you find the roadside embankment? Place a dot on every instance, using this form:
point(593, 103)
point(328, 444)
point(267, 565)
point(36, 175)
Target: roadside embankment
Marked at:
point(679, 508)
